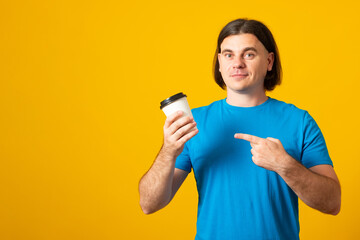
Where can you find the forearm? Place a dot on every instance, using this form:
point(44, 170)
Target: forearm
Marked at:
point(155, 186)
point(315, 190)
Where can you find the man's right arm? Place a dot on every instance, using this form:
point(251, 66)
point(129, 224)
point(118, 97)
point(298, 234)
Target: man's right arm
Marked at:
point(159, 185)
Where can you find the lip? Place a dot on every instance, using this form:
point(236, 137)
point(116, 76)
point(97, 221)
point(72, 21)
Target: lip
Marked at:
point(239, 75)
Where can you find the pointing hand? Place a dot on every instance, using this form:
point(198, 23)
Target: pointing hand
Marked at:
point(268, 153)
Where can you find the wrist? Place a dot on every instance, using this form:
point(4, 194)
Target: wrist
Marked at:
point(167, 155)
point(288, 166)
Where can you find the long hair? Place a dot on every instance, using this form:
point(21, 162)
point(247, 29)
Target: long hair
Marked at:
point(264, 35)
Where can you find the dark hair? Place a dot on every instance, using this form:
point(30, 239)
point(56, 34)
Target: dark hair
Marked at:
point(264, 35)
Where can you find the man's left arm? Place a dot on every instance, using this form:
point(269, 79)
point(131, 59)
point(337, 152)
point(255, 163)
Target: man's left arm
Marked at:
point(318, 186)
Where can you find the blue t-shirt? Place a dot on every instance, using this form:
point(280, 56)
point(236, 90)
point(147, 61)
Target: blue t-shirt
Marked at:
point(238, 199)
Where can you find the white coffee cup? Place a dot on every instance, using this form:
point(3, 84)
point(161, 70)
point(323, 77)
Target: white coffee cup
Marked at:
point(175, 103)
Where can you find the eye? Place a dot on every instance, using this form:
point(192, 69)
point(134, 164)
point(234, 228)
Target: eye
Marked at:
point(249, 55)
point(228, 55)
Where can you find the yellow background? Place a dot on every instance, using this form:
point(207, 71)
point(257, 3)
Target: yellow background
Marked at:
point(80, 86)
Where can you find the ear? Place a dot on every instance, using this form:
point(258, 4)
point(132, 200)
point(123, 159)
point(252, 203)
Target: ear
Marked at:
point(270, 60)
point(219, 59)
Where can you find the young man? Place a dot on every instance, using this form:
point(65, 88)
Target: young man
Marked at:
point(246, 191)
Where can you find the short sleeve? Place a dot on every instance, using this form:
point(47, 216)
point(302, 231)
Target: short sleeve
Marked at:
point(183, 160)
point(314, 151)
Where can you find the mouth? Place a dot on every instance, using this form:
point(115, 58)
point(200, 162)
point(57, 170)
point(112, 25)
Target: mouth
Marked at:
point(239, 75)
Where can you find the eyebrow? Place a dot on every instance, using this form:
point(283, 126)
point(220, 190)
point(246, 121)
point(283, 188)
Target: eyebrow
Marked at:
point(244, 50)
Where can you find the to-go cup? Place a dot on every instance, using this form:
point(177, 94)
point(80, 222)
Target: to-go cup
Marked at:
point(175, 103)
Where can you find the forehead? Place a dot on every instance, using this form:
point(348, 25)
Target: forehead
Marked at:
point(241, 41)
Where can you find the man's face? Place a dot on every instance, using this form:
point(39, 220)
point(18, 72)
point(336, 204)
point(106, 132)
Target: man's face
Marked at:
point(244, 62)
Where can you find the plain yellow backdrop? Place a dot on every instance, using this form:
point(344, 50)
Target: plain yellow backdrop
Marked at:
point(80, 87)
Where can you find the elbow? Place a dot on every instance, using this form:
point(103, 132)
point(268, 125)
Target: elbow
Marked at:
point(336, 210)
point(331, 211)
point(151, 205)
point(147, 210)
point(331, 206)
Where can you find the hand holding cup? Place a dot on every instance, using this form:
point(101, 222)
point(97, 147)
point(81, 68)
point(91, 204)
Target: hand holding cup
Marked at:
point(179, 126)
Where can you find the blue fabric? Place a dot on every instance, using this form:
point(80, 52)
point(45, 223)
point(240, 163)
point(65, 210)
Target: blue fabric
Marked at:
point(238, 199)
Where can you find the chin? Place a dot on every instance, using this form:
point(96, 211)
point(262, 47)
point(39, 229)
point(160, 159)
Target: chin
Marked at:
point(237, 89)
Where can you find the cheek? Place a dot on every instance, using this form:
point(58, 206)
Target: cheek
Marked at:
point(261, 69)
point(225, 67)
point(223, 64)
point(228, 67)
point(225, 71)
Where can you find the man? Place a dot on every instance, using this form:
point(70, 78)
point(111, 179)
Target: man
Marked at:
point(246, 191)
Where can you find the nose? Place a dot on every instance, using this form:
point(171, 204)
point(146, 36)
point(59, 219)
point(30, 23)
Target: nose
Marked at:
point(238, 63)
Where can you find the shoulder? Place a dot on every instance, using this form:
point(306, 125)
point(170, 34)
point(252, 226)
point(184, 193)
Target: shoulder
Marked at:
point(282, 107)
point(294, 115)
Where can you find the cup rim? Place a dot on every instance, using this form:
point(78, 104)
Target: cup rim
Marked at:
point(171, 99)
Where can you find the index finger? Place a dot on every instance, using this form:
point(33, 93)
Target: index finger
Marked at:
point(172, 118)
point(248, 137)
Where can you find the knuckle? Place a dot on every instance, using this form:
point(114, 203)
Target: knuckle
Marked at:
point(169, 120)
point(180, 131)
point(177, 123)
point(174, 127)
point(186, 120)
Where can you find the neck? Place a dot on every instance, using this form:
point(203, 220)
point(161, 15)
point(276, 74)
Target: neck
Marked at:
point(239, 99)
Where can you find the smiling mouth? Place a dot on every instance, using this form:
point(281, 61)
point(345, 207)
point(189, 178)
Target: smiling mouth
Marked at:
point(239, 75)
